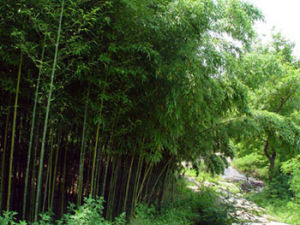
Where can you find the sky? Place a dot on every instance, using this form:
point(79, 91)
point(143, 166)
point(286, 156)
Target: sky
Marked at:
point(284, 15)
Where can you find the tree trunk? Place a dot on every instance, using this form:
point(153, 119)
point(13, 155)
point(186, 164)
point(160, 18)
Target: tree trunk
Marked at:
point(271, 158)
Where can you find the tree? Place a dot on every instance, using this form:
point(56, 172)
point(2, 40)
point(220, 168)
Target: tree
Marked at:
point(274, 84)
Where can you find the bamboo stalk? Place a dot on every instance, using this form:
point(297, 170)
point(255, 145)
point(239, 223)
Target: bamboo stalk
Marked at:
point(13, 133)
point(136, 183)
point(87, 186)
point(110, 201)
point(82, 156)
point(162, 190)
point(49, 166)
point(114, 193)
point(31, 134)
point(3, 158)
point(46, 189)
point(109, 158)
point(54, 176)
point(96, 142)
point(108, 205)
point(63, 183)
point(94, 159)
point(147, 187)
point(127, 185)
point(49, 172)
point(105, 177)
point(39, 184)
point(112, 189)
point(143, 181)
point(98, 172)
point(33, 178)
point(160, 174)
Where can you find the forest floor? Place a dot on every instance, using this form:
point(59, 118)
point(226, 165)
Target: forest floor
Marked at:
point(232, 187)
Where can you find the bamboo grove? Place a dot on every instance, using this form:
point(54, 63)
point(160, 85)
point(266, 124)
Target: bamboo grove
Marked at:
point(106, 98)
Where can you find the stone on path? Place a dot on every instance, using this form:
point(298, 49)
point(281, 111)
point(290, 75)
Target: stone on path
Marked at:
point(245, 210)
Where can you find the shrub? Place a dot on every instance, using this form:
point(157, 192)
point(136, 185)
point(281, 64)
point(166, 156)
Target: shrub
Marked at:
point(252, 165)
point(90, 213)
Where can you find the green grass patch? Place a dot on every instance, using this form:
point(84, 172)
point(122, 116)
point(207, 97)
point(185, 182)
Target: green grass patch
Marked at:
point(254, 165)
point(283, 210)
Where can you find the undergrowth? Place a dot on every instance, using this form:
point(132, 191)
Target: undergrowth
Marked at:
point(279, 197)
point(278, 202)
point(187, 208)
point(252, 165)
point(182, 206)
point(90, 213)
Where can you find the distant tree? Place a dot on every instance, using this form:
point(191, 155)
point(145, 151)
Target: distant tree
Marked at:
point(273, 82)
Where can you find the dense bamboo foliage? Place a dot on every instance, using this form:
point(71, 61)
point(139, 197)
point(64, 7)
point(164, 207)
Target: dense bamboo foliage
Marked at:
point(114, 95)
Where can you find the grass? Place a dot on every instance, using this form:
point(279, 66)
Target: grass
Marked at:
point(194, 207)
point(276, 197)
point(254, 165)
point(189, 207)
point(203, 176)
point(281, 209)
point(217, 180)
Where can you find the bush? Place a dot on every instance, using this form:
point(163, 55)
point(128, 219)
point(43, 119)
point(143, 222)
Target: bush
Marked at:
point(90, 213)
point(279, 197)
point(277, 200)
point(291, 168)
point(8, 218)
point(185, 208)
point(252, 165)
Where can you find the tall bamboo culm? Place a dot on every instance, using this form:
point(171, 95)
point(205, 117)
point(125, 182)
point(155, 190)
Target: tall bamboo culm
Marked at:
point(31, 133)
point(82, 155)
point(13, 133)
point(39, 183)
point(94, 160)
point(2, 178)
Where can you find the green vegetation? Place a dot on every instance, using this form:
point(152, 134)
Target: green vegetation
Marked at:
point(182, 206)
point(253, 164)
point(91, 212)
point(108, 98)
point(280, 197)
point(271, 149)
point(277, 202)
point(188, 207)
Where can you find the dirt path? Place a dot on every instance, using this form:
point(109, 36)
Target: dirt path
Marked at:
point(246, 209)
point(231, 194)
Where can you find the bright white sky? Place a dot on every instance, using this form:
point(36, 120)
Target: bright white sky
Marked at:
point(284, 15)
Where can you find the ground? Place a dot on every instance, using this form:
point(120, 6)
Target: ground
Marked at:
point(232, 186)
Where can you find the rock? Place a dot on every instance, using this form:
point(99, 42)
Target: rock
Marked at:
point(245, 210)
